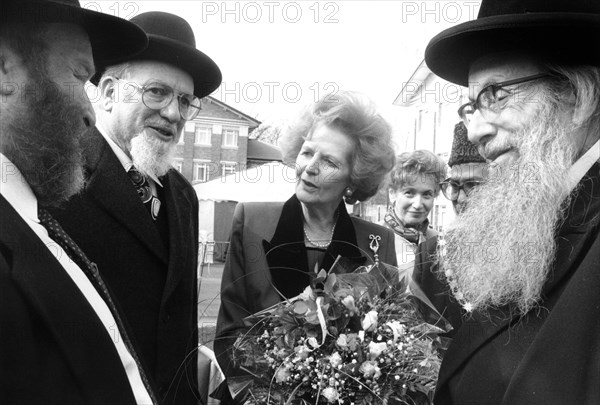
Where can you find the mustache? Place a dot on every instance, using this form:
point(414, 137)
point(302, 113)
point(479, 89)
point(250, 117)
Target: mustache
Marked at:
point(494, 148)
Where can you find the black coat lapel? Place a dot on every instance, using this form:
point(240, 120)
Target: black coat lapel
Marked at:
point(107, 179)
point(344, 244)
point(286, 253)
point(67, 314)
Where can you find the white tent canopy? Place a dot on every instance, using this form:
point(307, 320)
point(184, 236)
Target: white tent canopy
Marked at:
point(269, 182)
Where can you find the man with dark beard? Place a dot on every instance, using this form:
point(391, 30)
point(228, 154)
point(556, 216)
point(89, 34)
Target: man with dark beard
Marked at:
point(523, 257)
point(60, 336)
point(140, 214)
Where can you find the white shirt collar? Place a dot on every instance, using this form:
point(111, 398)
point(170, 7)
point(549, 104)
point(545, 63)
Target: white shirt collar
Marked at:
point(121, 155)
point(17, 191)
point(584, 164)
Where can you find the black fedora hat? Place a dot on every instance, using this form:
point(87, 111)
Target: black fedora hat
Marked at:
point(171, 40)
point(563, 31)
point(112, 38)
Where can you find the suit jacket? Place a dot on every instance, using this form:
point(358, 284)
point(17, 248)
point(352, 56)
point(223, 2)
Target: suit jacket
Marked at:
point(267, 253)
point(155, 283)
point(53, 347)
point(552, 354)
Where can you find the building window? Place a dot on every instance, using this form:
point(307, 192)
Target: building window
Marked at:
point(227, 168)
point(200, 172)
point(178, 165)
point(203, 135)
point(230, 136)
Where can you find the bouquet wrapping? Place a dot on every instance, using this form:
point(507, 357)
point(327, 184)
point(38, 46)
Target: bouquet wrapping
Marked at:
point(368, 336)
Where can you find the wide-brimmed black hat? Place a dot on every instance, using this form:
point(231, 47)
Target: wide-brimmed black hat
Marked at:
point(112, 38)
point(562, 31)
point(171, 40)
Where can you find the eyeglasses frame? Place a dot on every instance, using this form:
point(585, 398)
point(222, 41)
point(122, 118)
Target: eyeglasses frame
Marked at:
point(476, 104)
point(175, 93)
point(444, 186)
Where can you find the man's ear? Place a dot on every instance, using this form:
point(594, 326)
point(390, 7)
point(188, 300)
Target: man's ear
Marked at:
point(109, 93)
point(11, 70)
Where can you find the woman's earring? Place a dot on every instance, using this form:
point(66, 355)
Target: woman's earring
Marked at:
point(348, 196)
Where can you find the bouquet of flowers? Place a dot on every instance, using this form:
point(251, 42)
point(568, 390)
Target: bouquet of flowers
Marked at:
point(353, 338)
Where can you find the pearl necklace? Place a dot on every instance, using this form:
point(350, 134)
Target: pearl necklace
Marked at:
point(449, 274)
point(323, 245)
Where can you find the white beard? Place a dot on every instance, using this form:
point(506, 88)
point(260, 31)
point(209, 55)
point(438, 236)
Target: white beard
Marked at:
point(151, 156)
point(502, 246)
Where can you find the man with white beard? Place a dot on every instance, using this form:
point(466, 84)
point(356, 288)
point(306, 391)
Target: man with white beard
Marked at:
point(138, 217)
point(522, 258)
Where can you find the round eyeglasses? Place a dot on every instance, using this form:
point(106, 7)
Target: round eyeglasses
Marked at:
point(451, 189)
point(157, 96)
point(493, 98)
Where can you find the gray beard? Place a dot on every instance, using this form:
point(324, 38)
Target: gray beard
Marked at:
point(151, 156)
point(502, 246)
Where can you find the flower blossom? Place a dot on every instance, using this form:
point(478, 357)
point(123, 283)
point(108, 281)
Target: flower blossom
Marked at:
point(330, 394)
point(307, 294)
point(342, 341)
point(369, 322)
point(397, 329)
point(370, 370)
point(375, 349)
point(302, 352)
point(349, 303)
point(335, 359)
point(312, 342)
point(282, 375)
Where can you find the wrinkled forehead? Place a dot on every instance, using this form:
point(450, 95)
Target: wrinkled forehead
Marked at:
point(148, 71)
point(499, 67)
point(468, 172)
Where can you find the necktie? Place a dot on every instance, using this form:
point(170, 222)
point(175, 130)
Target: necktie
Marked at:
point(90, 269)
point(144, 190)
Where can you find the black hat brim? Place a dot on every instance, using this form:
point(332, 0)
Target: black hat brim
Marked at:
point(204, 71)
point(112, 38)
point(567, 38)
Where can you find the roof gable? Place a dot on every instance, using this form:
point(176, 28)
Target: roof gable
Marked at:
point(213, 108)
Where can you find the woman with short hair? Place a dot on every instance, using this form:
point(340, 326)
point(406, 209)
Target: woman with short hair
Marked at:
point(342, 150)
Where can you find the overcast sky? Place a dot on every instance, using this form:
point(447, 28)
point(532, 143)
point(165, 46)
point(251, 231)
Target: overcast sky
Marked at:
point(277, 56)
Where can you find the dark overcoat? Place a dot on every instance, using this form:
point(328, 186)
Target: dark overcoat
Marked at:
point(53, 347)
point(552, 354)
point(152, 271)
point(267, 253)
point(436, 289)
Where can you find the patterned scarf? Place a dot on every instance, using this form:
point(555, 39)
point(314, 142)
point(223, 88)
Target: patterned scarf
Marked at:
point(413, 235)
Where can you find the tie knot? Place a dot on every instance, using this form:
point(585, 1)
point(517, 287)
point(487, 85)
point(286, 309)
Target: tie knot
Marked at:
point(136, 177)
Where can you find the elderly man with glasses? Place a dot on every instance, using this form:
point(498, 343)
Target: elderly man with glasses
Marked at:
point(137, 218)
point(523, 257)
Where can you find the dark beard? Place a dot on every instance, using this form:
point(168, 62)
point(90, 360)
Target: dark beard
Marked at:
point(42, 138)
